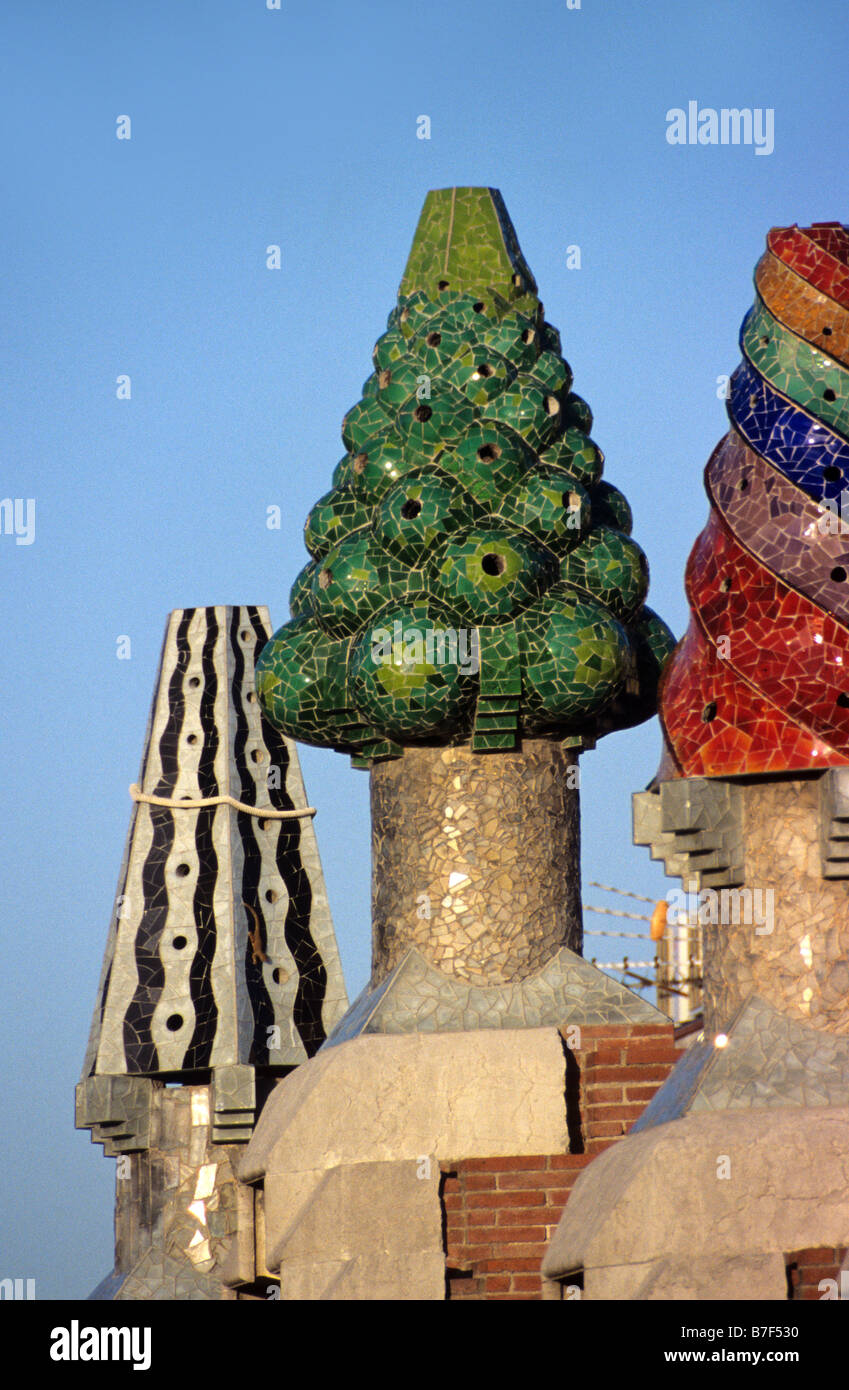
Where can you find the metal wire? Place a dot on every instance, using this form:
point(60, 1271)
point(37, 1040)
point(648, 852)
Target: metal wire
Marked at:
point(623, 892)
point(620, 935)
point(625, 965)
point(617, 912)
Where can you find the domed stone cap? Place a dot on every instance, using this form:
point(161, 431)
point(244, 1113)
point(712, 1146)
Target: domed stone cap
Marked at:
point(760, 683)
point(471, 577)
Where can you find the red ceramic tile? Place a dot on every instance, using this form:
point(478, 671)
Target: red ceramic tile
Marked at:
point(777, 640)
point(715, 724)
point(810, 260)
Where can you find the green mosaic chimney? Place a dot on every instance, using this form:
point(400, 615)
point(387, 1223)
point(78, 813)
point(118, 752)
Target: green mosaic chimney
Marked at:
point(471, 578)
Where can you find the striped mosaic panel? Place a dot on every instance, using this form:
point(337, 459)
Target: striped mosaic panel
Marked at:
point(221, 951)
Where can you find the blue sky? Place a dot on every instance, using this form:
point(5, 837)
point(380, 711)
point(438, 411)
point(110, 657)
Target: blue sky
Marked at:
point(297, 127)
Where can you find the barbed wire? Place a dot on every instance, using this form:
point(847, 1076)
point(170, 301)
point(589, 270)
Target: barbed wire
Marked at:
point(623, 892)
point(617, 912)
point(625, 965)
point(620, 935)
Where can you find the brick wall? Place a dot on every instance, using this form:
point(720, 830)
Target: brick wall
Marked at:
point(806, 1268)
point(620, 1070)
point(499, 1216)
point(499, 1213)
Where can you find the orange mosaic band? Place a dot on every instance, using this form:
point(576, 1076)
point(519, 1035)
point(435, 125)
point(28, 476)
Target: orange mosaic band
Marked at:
point(805, 310)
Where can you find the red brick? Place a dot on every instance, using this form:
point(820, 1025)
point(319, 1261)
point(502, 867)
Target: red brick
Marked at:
point(480, 1216)
point(643, 1091)
point(451, 1185)
point(811, 1274)
point(510, 1234)
point(509, 1181)
point(474, 1254)
point(511, 1255)
point(607, 1072)
point(452, 1201)
point(528, 1281)
point(598, 1094)
point(522, 1216)
point(506, 1199)
point(651, 1052)
point(558, 1198)
point(515, 1264)
point(605, 1129)
point(605, 1052)
point(480, 1182)
point(566, 1160)
point(652, 1030)
point(617, 1112)
point(631, 1074)
point(497, 1283)
point(483, 1235)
